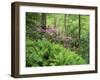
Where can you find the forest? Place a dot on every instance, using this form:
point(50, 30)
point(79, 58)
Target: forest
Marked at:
point(55, 39)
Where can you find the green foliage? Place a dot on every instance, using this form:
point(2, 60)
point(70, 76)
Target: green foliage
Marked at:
point(60, 48)
point(32, 23)
point(45, 53)
point(84, 41)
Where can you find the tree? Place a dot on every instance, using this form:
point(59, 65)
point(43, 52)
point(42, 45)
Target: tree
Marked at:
point(43, 20)
point(65, 23)
point(79, 26)
point(55, 20)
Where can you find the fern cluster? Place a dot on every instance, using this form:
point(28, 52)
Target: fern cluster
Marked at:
point(43, 52)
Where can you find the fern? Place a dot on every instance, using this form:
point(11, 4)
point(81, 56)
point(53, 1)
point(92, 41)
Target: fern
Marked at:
point(46, 53)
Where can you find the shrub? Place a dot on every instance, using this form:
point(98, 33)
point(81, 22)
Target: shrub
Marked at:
point(46, 53)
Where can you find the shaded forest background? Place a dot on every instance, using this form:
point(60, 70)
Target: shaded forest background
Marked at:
point(66, 33)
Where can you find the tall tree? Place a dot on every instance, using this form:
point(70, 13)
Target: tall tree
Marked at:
point(79, 26)
point(55, 19)
point(65, 23)
point(43, 20)
point(79, 23)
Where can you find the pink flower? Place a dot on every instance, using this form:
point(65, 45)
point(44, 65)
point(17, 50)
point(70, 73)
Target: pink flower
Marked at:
point(48, 30)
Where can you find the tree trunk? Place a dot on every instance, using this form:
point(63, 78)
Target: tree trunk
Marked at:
point(79, 32)
point(79, 26)
point(55, 20)
point(65, 23)
point(43, 20)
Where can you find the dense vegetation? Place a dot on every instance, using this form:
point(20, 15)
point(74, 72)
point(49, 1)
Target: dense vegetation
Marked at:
point(56, 39)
